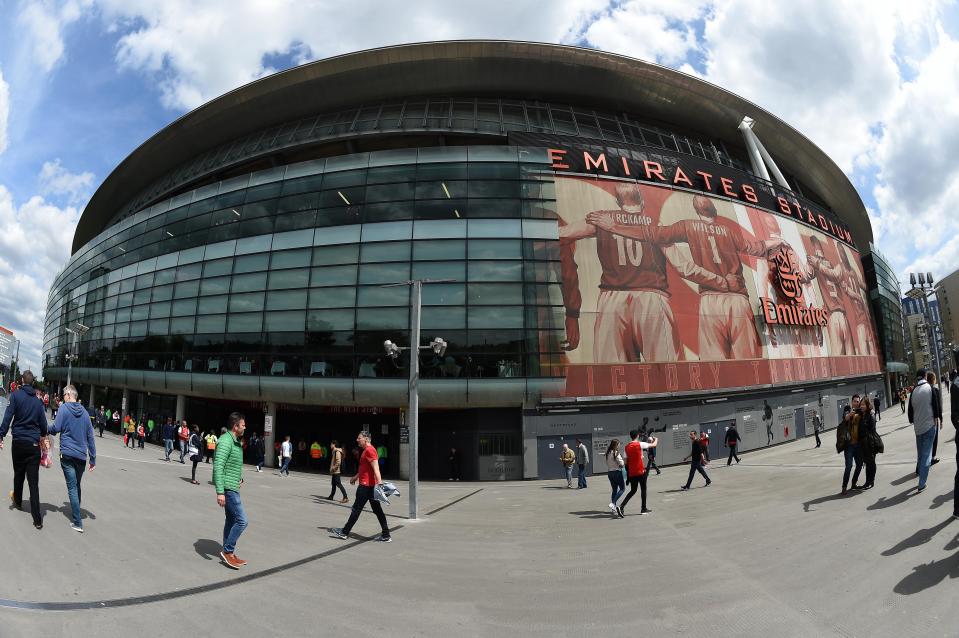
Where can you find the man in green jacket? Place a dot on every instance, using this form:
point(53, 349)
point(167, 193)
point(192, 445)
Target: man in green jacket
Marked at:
point(227, 477)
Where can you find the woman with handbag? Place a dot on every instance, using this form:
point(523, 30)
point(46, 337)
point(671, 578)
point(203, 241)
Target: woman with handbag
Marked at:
point(614, 467)
point(193, 448)
point(871, 443)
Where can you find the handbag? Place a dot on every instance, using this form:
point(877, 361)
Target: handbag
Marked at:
point(877, 444)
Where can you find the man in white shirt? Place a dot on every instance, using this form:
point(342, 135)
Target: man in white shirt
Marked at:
point(286, 453)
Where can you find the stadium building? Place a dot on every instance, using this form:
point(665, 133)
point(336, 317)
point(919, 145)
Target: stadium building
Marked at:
point(618, 245)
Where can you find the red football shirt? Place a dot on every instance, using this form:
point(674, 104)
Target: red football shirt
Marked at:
point(367, 460)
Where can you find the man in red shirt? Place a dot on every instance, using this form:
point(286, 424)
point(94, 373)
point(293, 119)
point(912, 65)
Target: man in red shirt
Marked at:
point(369, 477)
point(636, 471)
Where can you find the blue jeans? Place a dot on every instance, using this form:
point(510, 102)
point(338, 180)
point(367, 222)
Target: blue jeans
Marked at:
point(582, 475)
point(618, 484)
point(285, 468)
point(851, 453)
point(924, 447)
point(168, 447)
point(235, 521)
point(569, 474)
point(73, 473)
point(182, 449)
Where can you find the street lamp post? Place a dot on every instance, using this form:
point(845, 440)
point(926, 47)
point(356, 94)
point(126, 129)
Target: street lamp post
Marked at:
point(438, 346)
point(77, 331)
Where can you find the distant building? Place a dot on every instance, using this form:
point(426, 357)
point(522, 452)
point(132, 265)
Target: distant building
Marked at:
point(7, 344)
point(947, 292)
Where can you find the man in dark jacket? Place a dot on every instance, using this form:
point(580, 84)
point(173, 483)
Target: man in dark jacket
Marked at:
point(695, 460)
point(76, 441)
point(29, 421)
point(732, 440)
point(168, 432)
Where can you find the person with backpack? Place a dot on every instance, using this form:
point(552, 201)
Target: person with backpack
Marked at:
point(195, 447)
point(614, 470)
point(635, 470)
point(76, 442)
point(183, 434)
point(732, 440)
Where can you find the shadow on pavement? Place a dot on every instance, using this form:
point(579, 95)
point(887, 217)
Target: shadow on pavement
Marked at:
point(898, 499)
point(594, 514)
point(555, 487)
point(208, 549)
point(942, 499)
point(928, 575)
point(905, 479)
point(825, 499)
point(921, 537)
point(65, 510)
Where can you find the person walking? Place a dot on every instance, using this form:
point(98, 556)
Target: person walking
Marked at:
point(168, 433)
point(336, 467)
point(286, 453)
point(937, 398)
point(101, 420)
point(454, 461)
point(869, 442)
point(116, 420)
point(582, 458)
point(227, 479)
point(695, 460)
point(636, 471)
point(647, 437)
point(704, 442)
point(183, 434)
point(259, 452)
point(732, 440)
point(848, 442)
point(141, 435)
point(131, 429)
point(925, 415)
point(76, 443)
point(26, 419)
point(368, 476)
point(195, 449)
point(902, 400)
point(568, 458)
point(817, 426)
point(877, 406)
point(614, 470)
point(210, 445)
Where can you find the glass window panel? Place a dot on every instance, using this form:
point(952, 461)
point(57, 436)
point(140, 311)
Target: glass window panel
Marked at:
point(220, 249)
point(293, 239)
point(188, 272)
point(122, 330)
point(495, 249)
point(332, 297)
point(127, 285)
point(494, 188)
point(441, 209)
point(211, 305)
point(160, 310)
point(246, 283)
point(439, 249)
point(439, 318)
point(185, 307)
point(434, 163)
point(495, 294)
point(138, 329)
point(290, 259)
point(181, 326)
point(442, 189)
point(159, 326)
point(251, 263)
point(218, 267)
point(210, 323)
point(328, 256)
point(378, 296)
point(540, 229)
point(337, 235)
point(250, 245)
point(439, 229)
point(338, 216)
point(495, 207)
point(190, 256)
point(285, 321)
point(387, 251)
point(344, 196)
point(455, 270)
point(444, 294)
point(255, 228)
point(123, 315)
point(141, 296)
point(495, 271)
point(249, 322)
point(388, 211)
point(293, 203)
point(144, 281)
point(264, 191)
point(296, 278)
point(163, 293)
point(247, 302)
point(307, 184)
point(333, 276)
point(286, 300)
point(215, 286)
point(384, 273)
point(330, 320)
point(382, 319)
point(400, 167)
point(389, 192)
point(387, 231)
point(228, 216)
point(495, 228)
point(496, 317)
point(302, 221)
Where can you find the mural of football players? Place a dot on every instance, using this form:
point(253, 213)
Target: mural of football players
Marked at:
point(727, 327)
point(831, 283)
point(855, 289)
point(634, 320)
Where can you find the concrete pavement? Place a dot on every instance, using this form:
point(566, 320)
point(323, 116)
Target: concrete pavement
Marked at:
point(769, 549)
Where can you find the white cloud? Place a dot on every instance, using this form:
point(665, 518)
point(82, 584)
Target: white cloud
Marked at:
point(56, 181)
point(44, 22)
point(4, 112)
point(197, 51)
point(34, 245)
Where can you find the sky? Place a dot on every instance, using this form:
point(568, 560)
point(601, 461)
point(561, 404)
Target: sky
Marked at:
point(83, 82)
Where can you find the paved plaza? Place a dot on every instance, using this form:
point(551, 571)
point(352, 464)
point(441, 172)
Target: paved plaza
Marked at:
point(770, 549)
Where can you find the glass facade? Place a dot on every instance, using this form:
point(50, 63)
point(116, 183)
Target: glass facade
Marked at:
point(287, 271)
point(885, 297)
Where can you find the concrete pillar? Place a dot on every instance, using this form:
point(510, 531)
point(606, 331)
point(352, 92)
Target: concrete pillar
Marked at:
point(93, 396)
point(269, 434)
point(124, 406)
point(180, 408)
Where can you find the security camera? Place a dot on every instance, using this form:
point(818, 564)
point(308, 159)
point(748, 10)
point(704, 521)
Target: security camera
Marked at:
point(439, 346)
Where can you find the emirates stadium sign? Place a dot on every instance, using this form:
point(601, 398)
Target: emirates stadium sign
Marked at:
point(790, 277)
